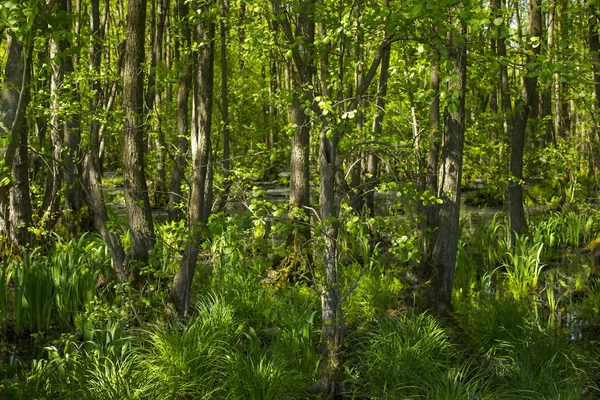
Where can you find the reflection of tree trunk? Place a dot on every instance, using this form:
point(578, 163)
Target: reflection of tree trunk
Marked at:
point(185, 81)
point(516, 211)
point(445, 234)
point(141, 228)
point(13, 102)
point(200, 201)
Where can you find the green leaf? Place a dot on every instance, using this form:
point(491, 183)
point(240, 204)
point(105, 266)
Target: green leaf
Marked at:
point(416, 10)
point(498, 21)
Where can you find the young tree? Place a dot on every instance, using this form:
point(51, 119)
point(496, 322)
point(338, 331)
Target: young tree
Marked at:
point(182, 47)
point(516, 210)
point(200, 197)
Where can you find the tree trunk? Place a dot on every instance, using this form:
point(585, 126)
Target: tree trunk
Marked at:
point(141, 228)
point(332, 328)
point(372, 159)
point(14, 98)
point(595, 55)
point(516, 210)
point(505, 103)
point(433, 155)
point(51, 204)
point(183, 93)
point(199, 205)
point(73, 175)
point(224, 30)
point(302, 57)
point(94, 180)
point(446, 231)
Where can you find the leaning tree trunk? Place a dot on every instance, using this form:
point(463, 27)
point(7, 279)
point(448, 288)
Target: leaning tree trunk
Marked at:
point(141, 228)
point(199, 206)
point(516, 210)
point(445, 235)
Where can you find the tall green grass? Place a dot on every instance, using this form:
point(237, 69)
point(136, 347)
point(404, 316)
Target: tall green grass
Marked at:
point(523, 266)
point(519, 357)
point(42, 290)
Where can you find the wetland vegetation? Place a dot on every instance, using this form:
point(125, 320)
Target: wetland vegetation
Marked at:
point(247, 199)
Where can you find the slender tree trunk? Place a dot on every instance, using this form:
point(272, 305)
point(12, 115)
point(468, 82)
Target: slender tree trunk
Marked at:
point(183, 93)
point(505, 103)
point(201, 151)
point(445, 234)
point(594, 44)
point(54, 180)
point(73, 174)
point(94, 179)
point(433, 155)
point(332, 328)
point(224, 31)
point(516, 210)
point(141, 228)
point(372, 159)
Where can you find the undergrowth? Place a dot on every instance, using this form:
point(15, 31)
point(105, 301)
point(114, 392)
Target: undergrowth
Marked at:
point(250, 339)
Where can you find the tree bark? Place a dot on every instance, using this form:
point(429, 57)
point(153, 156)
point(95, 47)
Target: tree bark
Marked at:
point(372, 158)
point(51, 203)
point(15, 201)
point(302, 56)
point(594, 44)
point(73, 174)
point(141, 228)
point(446, 231)
point(183, 94)
point(224, 32)
point(200, 203)
point(516, 210)
point(95, 196)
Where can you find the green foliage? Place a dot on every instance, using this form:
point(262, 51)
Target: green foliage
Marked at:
point(522, 359)
point(54, 288)
point(523, 264)
point(396, 358)
point(412, 357)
